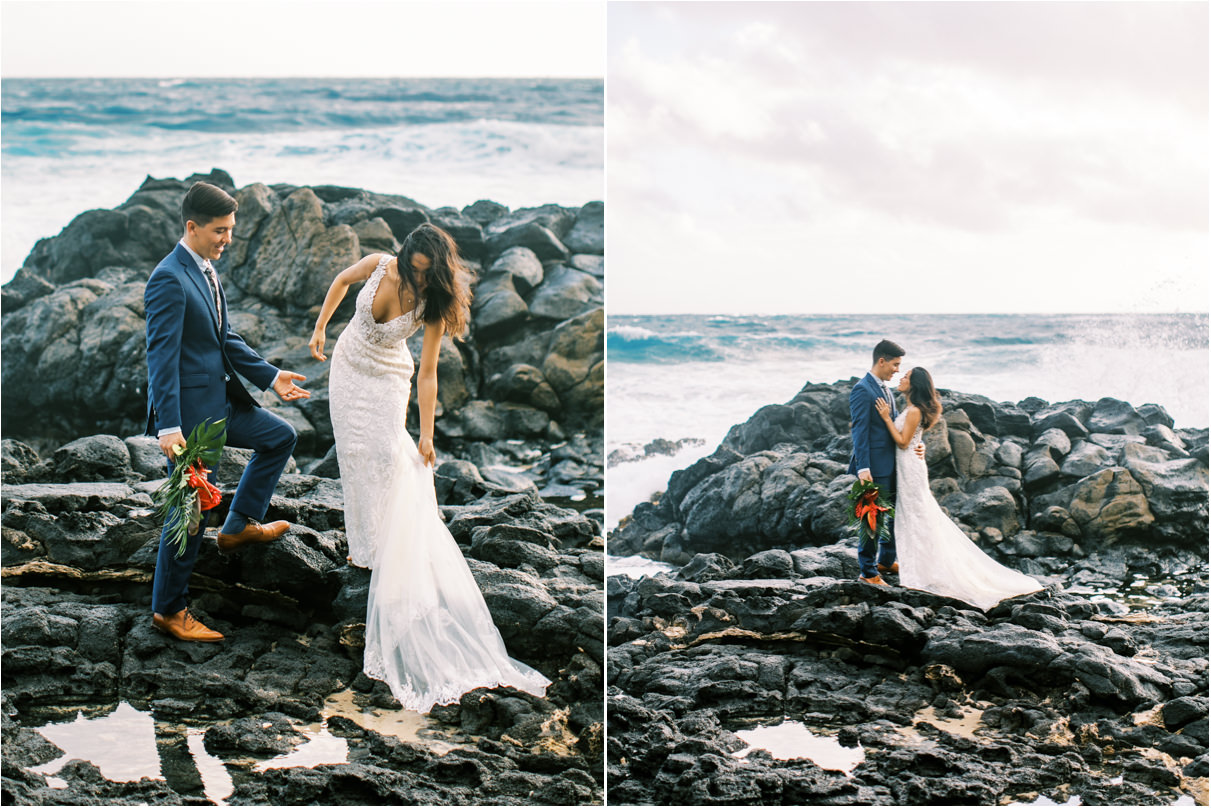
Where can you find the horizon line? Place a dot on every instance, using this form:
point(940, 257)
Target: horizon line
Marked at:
point(245, 76)
point(894, 314)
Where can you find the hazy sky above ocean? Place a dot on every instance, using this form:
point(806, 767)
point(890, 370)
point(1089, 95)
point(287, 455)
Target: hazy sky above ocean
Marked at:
point(441, 132)
point(907, 157)
point(302, 38)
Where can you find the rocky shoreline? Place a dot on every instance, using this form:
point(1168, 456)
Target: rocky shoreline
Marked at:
point(1066, 692)
point(519, 480)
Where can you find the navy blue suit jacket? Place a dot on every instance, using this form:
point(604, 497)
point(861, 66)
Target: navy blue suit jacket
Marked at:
point(874, 448)
point(191, 363)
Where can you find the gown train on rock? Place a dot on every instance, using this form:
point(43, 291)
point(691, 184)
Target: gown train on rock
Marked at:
point(934, 554)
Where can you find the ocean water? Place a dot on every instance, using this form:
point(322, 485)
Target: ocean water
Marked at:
point(694, 376)
point(70, 145)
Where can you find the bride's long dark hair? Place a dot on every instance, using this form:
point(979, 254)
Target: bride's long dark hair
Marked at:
point(923, 395)
point(446, 294)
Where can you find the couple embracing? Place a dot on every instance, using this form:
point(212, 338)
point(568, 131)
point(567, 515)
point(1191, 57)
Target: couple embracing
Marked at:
point(429, 634)
point(924, 547)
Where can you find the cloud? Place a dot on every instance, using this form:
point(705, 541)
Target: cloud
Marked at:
point(946, 124)
point(948, 145)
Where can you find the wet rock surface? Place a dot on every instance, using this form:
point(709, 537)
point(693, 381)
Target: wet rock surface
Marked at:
point(519, 487)
point(78, 565)
point(1047, 694)
point(1094, 687)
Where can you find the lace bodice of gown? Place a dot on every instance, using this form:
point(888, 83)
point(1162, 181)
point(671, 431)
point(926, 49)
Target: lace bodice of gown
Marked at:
point(934, 554)
point(916, 436)
point(390, 333)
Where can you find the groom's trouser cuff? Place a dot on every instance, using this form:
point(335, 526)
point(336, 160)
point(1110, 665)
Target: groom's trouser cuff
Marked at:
point(170, 587)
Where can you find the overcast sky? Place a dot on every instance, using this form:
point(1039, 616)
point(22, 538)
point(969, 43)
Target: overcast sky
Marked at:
point(300, 38)
point(907, 157)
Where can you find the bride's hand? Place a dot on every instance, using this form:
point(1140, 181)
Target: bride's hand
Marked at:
point(317, 345)
point(426, 451)
point(883, 409)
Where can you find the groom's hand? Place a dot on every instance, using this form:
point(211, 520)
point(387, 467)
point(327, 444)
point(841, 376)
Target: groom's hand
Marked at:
point(285, 387)
point(864, 475)
point(170, 442)
point(920, 450)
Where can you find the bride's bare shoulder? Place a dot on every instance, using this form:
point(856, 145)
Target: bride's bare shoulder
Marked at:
point(391, 265)
point(362, 270)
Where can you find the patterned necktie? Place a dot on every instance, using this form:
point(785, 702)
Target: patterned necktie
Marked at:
point(213, 280)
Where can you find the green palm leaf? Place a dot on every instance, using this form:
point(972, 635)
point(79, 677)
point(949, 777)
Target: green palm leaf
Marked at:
point(177, 502)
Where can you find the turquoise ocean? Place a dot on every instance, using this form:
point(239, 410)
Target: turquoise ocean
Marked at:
point(70, 145)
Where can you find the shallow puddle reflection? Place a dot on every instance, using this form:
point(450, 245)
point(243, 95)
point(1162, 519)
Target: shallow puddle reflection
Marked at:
point(320, 749)
point(121, 744)
point(407, 725)
point(128, 744)
point(1045, 800)
point(217, 784)
point(792, 740)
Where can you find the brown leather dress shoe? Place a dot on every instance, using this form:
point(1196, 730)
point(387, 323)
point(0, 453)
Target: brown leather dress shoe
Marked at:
point(895, 567)
point(876, 580)
point(251, 534)
point(184, 626)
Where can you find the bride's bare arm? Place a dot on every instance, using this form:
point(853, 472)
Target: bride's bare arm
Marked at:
point(336, 293)
point(426, 388)
point(911, 419)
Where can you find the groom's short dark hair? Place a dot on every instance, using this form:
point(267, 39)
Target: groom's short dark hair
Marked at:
point(886, 349)
point(204, 202)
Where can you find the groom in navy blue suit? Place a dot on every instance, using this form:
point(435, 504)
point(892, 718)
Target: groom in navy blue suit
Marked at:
point(874, 453)
point(193, 357)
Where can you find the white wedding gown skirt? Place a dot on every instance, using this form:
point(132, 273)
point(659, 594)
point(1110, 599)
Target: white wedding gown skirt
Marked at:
point(429, 634)
point(934, 554)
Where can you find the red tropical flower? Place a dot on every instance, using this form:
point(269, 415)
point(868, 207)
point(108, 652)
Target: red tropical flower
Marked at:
point(209, 496)
point(868, 509)
point(871, 511)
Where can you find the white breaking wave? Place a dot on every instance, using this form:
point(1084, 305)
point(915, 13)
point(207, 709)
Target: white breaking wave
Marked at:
point(438, 165)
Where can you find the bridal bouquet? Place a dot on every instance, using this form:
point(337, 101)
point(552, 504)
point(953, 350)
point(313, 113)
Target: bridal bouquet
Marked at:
point(188, 492)
point(870, 511)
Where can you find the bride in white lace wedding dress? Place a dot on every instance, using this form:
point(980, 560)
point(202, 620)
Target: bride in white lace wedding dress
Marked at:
point(934, 554)
point(429, 634)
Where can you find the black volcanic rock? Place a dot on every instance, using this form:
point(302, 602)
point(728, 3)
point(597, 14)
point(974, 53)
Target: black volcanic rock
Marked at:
point(1058, 693)
point(588, 231)
point(75, 309)
point(778, 480)
point(80, 532)
point(291, 611)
